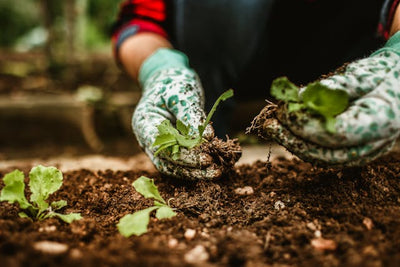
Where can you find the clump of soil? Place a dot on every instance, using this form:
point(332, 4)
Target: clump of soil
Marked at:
point(295, 215)
point(268, 113)
point(224, 153)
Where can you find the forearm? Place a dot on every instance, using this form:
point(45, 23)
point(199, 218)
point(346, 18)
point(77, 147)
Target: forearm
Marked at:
point(396, 22)
point(136, 49)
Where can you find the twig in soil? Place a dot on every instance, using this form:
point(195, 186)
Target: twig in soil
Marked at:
point(268, 164)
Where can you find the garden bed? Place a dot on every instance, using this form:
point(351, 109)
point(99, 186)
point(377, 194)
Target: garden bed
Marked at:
point(296, 215)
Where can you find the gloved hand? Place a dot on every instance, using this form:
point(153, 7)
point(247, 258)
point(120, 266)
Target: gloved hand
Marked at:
point(171, 90)
point(367, 129)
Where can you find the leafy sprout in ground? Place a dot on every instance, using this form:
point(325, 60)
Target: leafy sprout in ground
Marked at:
point(136, 223)
point(43, 181)
point(172, 139)
point(316, 98)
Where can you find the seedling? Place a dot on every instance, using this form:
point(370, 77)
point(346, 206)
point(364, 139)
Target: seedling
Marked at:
point(316, 98)
point(136, 223)
point(43, 181)
point(172, 139)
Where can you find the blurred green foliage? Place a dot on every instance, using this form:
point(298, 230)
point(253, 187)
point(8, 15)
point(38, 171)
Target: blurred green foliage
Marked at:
point(102, 13)
point(19, 17)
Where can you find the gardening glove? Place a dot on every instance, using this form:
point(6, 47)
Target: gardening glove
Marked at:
point(367, 129)
point(171, 90)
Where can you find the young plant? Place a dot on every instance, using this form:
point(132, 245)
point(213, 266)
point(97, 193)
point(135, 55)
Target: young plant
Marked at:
point(316, 98)
point(171, 138)
point(136, 223)
point(43, 181)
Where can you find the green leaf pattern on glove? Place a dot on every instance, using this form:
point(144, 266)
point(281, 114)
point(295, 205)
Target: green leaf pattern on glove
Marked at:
point(170, 94)
point(367, 129)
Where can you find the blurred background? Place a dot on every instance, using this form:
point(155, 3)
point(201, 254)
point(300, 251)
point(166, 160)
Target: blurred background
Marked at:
point(60, 90)
point(61, 93)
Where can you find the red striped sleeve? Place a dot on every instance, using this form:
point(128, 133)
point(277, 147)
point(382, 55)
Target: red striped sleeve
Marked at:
point(139, 16)
point(387, 17)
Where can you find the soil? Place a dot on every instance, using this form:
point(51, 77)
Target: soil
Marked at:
point(293, 215)
point(224, 153)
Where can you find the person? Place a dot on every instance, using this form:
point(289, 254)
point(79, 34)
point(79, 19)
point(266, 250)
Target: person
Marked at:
point(245, 44)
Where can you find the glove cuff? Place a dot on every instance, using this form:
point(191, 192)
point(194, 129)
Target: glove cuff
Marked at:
point(161, 59)
point(393, 45)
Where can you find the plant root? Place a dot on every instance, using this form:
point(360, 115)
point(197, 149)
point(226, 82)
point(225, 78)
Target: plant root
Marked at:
point(224, 153)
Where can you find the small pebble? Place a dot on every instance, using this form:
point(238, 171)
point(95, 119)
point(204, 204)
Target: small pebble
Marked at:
point(189, 234)
point(317, 234)
point(196, 255)
point(75, 253)
point(368, 223)
point(323, 244)
point(311, 226)
point(370, 251)
point(279, 205)
point(107, 186)
point(50, 228)
point(172, 243)
point(247, 190)
point(205, 235)
point(50, 247)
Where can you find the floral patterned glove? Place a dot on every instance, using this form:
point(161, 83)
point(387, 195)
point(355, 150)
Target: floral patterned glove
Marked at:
point(367, 129)
point(171, 90)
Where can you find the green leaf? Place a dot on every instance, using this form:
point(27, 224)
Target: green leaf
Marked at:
point(56, 205)
point(157, 203)
point(283, 89)
point(175, 149)
point(182, 128)
point(166, 127)
point(43, 182)
point(136, 223)
point(13, 190)
point(292, 107)
point(330, 123)
point(223, 97)
point(188, 142)
point(146, 187)
point(23, 215)
point(68, 218)
point(175, 156)
point(168, 136)
point(164, 147)
point(163, 139)
point(325, 101)
point(165, 213)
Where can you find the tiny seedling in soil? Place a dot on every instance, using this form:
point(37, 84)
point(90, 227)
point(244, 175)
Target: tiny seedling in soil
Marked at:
point(316, 98)
point(171, 139)
point(43, 181)
point(136, 223)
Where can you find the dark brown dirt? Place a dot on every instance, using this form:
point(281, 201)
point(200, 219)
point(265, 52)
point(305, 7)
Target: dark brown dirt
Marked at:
point(356, 210)
point(224, 153)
